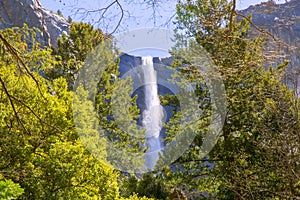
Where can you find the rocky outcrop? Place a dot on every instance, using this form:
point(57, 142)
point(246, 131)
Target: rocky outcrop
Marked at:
point(14, 13)
point(283, 22)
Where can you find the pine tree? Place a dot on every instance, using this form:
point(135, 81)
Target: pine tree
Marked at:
point(253, 150)
point(256, 156)
point(73, 47)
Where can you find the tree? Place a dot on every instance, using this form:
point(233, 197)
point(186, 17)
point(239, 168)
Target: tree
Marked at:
point(148, 185)
point(59, 13)
point(116, 111)
point(257, 155)
point(73, 47)
point(244, 165)
point(40, 147)
point(84, 55)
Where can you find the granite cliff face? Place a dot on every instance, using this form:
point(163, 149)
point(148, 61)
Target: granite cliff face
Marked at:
point(283, 22)
point(14, 13)
point(129, 63)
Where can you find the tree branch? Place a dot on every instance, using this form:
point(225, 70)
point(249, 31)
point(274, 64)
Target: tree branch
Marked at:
point(264, 31)
point(102, 11)
point(14, 52)
point(12, 104)
point(232, 13)
point(36, 115)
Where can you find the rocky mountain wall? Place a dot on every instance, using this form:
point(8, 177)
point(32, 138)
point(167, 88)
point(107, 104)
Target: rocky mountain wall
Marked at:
point(14, 13)
point(282, 21)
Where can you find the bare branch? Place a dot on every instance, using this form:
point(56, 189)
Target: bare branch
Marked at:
point(14, 52)
point(102, 12)
point(168, 21)
point(122, 15)
point(232, 13)
point(265, 31)
point(12, 105)
point(108, 15)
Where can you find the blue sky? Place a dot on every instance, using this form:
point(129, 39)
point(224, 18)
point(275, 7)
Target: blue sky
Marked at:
point(135, 16)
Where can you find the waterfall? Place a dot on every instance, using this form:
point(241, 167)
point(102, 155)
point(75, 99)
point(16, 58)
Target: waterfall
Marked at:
point(153, 114)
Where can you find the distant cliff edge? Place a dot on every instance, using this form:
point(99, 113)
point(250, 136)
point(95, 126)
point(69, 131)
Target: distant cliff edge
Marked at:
point(283, 22)
point(14, 13)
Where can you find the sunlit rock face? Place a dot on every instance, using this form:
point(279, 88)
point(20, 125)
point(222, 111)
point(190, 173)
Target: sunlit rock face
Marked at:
point(283, 21)
point(14, 13)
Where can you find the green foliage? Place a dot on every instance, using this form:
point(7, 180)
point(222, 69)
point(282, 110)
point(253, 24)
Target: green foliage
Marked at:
point(257, 155)
point(73, 48)
point(135, 197)
point(115, 109)
point(45, 128)
point(40, 123)
point(75, 172)
point(79, 41)
point(149, 186)
point(40, 148)
point(10, 190)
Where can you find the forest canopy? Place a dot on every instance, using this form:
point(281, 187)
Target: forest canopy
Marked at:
point(42, 156)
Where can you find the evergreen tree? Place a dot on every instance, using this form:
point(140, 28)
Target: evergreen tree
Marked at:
point(257, 154)
point(254, 151)
point(116, 110)
point(73, 47)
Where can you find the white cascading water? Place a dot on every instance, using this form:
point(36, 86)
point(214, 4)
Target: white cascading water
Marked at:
point(153, 114)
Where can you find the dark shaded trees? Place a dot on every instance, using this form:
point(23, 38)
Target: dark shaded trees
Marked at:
point(257, 156)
